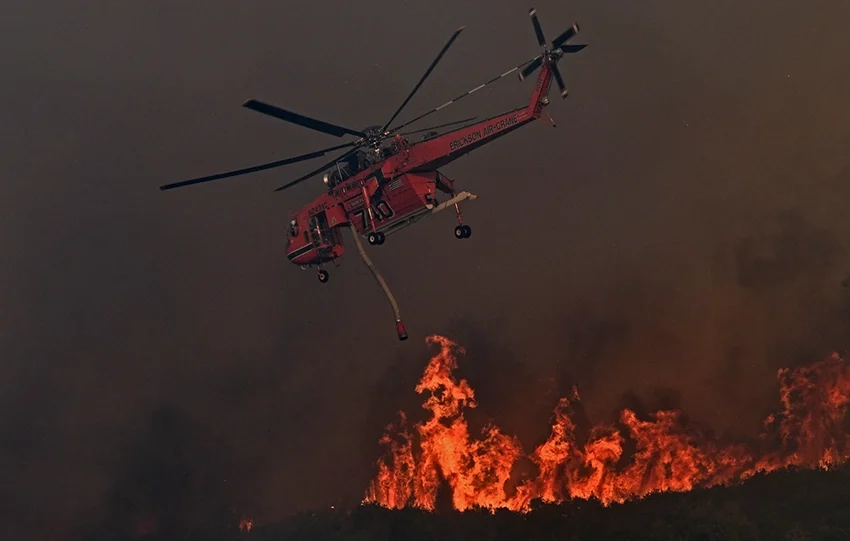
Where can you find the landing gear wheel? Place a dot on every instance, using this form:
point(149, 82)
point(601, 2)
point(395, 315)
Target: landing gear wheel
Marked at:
point(376, 238)
point(463, 232)
point(323, 276)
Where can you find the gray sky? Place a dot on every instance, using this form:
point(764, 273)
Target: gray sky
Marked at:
point(682, 232)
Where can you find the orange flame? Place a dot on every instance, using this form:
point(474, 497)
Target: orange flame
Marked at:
point(245, 525)
point(668, 455)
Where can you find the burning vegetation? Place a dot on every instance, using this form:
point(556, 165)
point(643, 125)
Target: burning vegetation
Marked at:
point(625, 460)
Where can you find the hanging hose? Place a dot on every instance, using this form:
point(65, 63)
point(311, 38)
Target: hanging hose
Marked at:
point(399, 326)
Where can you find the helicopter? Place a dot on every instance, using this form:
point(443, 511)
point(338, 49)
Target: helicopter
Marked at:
point(385, 181)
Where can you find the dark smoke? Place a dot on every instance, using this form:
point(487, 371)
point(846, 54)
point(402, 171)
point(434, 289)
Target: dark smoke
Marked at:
point(792, 250)
point(684, 228)
point(169, 483)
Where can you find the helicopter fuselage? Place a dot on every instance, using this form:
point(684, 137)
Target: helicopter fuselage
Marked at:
point(400, 189)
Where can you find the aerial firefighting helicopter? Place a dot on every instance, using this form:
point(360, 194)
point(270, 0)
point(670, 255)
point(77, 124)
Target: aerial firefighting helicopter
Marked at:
point(385, 182)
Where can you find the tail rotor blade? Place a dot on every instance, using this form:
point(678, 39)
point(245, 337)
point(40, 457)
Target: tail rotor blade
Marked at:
point(568, 49)
point(529, 69)
point(567, 35)
point(538, 31)
point(559, 80)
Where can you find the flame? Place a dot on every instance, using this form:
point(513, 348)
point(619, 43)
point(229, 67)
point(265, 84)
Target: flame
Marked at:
point(245, 525)
point(665, 453)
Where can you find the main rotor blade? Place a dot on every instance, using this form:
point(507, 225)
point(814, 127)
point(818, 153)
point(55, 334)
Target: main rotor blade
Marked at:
point(465, 94)
point(255, 168)
point(538, 31)
point(427, 73)
point(560, 80)
point(565, 36)
point(529, 69)
point(573, 48)
point(301, 120)
point(320, 169)
point(441, 125)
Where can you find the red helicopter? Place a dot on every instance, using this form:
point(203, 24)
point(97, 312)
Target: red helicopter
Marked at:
point(385, 182)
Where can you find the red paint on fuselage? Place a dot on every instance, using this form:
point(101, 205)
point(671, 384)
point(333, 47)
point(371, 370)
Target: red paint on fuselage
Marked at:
point(409, 182)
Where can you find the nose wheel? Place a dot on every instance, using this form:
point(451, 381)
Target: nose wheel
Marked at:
point(463, 232)
point(323, 276)
point(376, 238)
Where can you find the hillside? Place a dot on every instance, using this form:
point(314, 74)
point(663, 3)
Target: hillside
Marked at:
point(788, 505)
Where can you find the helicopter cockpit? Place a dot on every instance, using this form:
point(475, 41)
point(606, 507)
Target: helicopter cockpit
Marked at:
point(344, 170)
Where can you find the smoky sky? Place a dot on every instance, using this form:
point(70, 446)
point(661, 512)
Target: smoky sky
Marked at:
point(682, 232)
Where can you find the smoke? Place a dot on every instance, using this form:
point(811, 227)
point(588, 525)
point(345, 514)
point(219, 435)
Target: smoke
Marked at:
point(677, 238)
point(706, 336)
point(714, 323)
point(170, 481)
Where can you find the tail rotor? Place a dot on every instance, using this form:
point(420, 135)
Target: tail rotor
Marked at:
point(551, 55)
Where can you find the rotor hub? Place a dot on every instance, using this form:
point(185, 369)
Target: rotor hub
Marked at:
point(552, 52)
point(374, 136)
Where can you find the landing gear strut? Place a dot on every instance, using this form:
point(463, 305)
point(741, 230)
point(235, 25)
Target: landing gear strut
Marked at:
point(323, 275)
point(461, 231)
point(376, 238)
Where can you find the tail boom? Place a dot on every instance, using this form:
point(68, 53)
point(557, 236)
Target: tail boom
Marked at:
point(440, 151)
